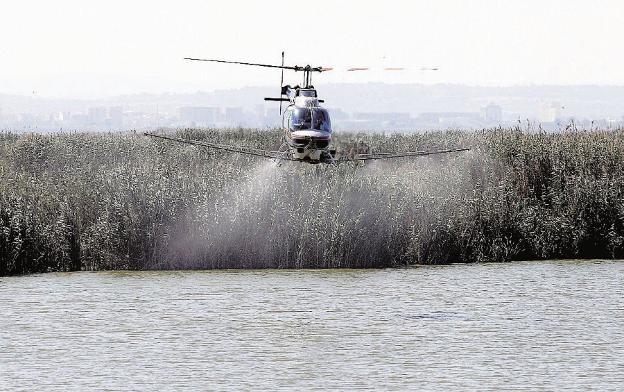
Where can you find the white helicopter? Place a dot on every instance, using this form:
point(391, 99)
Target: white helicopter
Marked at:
point(306, 125)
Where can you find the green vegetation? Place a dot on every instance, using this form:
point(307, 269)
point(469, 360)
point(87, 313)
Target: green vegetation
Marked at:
point(125, 201)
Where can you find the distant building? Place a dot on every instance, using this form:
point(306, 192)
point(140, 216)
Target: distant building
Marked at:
point(199, 115)
point(80, 120)
point(549, 112)
point(234, 116)
point(493, 113)
point(26, 118)
point(115, 116)
point(448, 117)
point(96, 115)
point(10, 118)
point(381, 117)
point(429, 118)
point(56, 117)
point(136, 119)
point(372, 120)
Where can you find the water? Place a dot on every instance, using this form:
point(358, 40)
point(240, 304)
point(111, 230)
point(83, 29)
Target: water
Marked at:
point(530, 325)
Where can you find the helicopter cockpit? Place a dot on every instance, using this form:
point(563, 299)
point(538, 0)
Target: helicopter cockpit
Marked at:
point(305, 92)
point(313, 118)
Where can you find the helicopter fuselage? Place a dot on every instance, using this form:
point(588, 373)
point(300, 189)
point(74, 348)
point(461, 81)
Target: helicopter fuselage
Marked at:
point(307, 127)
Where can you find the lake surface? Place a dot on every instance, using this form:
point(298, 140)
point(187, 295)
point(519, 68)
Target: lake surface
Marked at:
point(531, 325)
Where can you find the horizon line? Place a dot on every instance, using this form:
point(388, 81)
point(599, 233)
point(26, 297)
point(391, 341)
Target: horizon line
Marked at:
point(216, 90)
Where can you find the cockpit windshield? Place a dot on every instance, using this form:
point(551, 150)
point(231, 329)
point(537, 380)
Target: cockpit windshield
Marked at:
point(310, 118)
point(307, 93)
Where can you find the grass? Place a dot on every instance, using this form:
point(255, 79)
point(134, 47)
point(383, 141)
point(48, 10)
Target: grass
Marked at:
point(86, 201)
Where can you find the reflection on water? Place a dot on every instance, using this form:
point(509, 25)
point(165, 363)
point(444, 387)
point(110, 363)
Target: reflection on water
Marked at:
point(543, 325)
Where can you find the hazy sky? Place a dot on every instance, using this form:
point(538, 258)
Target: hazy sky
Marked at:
point(80, 48)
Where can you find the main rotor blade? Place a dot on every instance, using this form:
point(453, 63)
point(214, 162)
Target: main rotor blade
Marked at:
point(355, 69)
point(245, 63)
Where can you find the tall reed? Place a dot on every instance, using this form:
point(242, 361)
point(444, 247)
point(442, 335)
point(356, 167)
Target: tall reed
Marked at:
point(84, 201)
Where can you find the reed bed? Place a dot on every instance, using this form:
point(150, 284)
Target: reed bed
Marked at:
point(85, 201)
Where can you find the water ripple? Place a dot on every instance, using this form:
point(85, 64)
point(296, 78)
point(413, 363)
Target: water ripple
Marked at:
point(520, 326)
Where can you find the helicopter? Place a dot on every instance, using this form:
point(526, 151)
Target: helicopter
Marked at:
point(306, 125)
